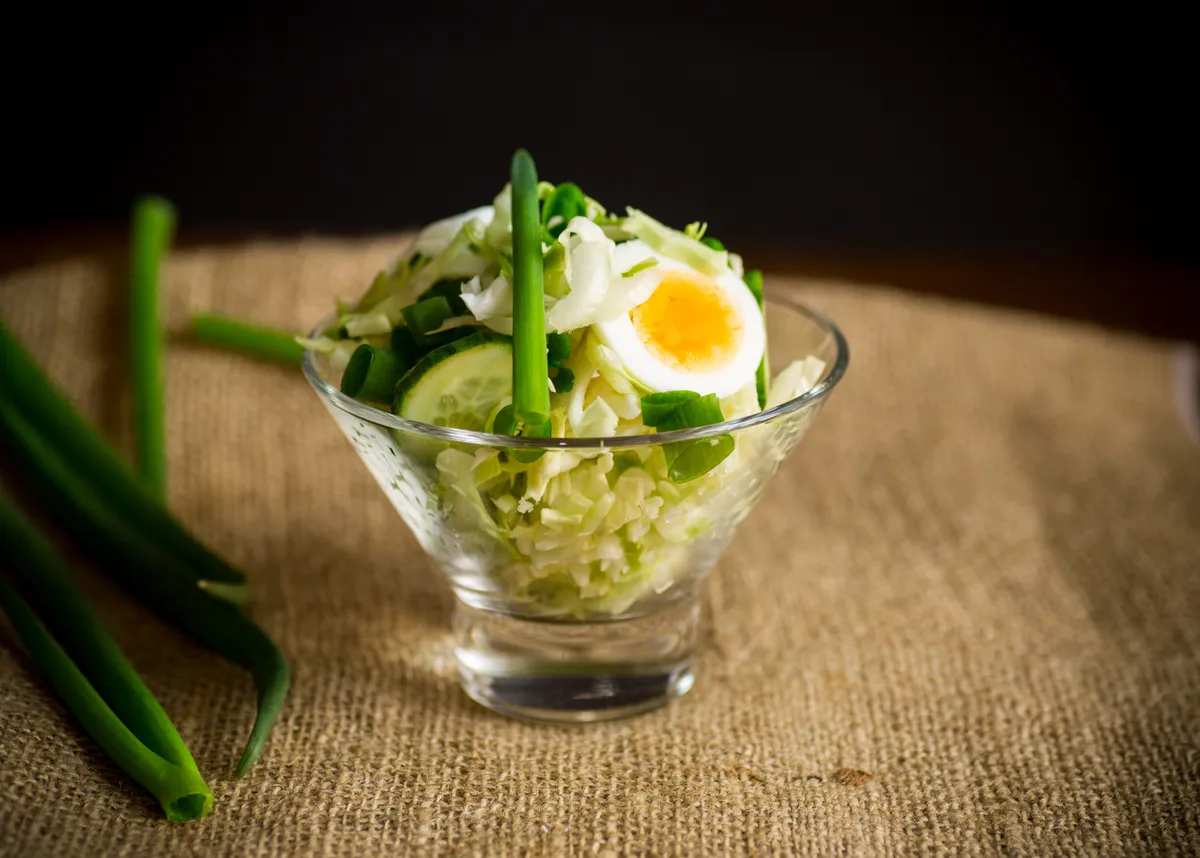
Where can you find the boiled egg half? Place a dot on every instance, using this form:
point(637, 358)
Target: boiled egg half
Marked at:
point(697, 331)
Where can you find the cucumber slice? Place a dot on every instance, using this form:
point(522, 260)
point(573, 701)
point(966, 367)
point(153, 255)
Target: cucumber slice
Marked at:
point(458, 384)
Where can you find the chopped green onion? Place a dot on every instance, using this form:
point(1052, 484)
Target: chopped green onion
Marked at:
point(157, 577)
point(451, 290)
point(531, 394)
point(153, 227)
point(506, 423)
point(257, 340)
point(506, 266)
point(558, 348)
point(754, 282)
point(709, 241)
point(566, 202)
point(685, 409)
point(23, 384)
point(641, 266)
point(404, 344)
point(92, 675)
point(425, 317)
point(372, 373)
point(688, 460)
point(657, 407)
point(696, 230)
point(564, 379)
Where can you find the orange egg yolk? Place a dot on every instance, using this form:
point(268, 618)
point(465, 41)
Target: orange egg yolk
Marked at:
point(688, 324)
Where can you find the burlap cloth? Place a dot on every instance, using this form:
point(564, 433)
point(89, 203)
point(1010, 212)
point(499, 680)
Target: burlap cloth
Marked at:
point(965, 618)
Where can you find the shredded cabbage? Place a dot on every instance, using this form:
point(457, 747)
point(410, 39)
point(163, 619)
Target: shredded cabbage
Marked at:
point(493, 306)
point(675, 244)
point(433, 240)
point(338, 352)
point(593, 531)
point(797, 378)
point(499, 231)
point(583, 285)
point(368, 324)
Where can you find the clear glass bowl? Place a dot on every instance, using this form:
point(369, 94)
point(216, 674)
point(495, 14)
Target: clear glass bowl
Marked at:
point(577, 582)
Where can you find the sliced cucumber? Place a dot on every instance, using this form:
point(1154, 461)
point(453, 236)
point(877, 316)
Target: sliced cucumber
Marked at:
point(458, 384)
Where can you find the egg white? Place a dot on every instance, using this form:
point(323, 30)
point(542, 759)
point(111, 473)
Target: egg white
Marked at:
point(640, 364)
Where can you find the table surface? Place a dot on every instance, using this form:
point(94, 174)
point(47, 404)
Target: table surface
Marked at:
point(962, 620)
point(1146, 296)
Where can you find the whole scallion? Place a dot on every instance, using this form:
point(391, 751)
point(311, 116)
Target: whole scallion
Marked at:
point(159, 579)
point(153, 227)
point(55, 420)
point(91, 675)
point(531, 392)
point(529, 412)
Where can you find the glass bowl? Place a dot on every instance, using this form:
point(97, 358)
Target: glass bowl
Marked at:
point(576, 577)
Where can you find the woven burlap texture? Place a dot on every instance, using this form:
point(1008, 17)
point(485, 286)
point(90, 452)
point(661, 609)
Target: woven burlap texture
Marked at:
point(964, 619)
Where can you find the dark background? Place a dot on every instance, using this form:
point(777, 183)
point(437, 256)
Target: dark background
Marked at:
point(1002, 130)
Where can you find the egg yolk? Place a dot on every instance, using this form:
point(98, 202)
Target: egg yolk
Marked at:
point(688, 324)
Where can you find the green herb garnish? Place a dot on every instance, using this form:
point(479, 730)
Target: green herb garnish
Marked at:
point(685, 409)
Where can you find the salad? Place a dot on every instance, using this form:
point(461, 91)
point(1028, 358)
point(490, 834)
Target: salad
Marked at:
point(545, 314)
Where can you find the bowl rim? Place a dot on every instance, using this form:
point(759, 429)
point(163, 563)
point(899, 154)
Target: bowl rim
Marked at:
point(488, 439)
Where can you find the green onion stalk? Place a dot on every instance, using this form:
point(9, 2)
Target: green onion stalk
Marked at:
point(372, 373)
point(531, 393)
point(127, 541)
point(685, 409)
point(153, 227)
point(248, 338)
point(529, 414)
point(62, 427)
point(88, 671)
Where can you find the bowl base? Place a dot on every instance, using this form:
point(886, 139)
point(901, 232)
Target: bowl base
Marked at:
point(575, 672)
point(578, 700)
